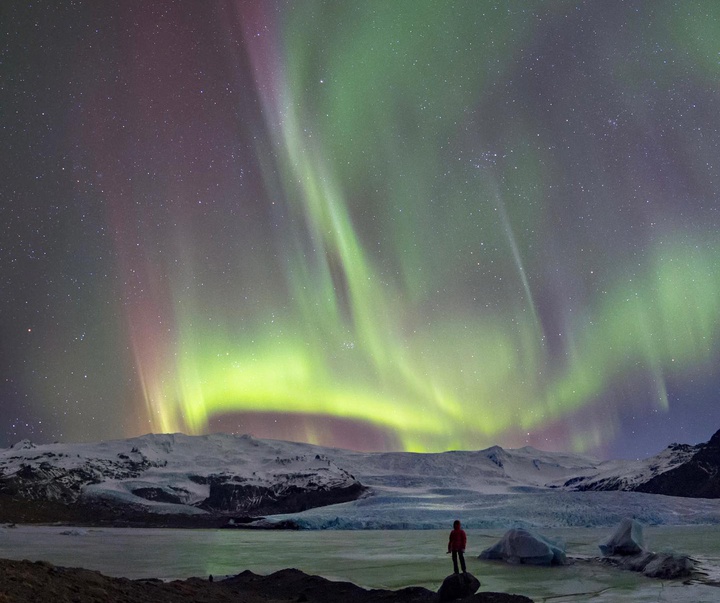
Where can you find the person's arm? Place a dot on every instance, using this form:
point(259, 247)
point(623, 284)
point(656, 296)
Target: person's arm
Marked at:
point(464, 540)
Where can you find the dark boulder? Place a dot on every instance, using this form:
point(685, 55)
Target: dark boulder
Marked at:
point(669, 567)
point(458, 586)
point(664, 566)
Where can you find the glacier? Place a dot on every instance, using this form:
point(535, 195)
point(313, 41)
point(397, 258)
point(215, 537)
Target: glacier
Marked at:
point(493, 488)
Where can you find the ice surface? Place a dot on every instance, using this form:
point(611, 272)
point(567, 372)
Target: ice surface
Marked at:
point(380, 559)
point(433, 509)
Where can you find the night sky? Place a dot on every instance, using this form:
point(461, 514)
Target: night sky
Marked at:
point(383, 225)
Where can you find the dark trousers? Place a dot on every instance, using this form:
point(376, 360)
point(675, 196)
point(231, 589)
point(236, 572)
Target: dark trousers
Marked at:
point(455, 555)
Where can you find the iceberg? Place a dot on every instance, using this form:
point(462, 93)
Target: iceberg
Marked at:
point(626, 549)
point(522, 547)
point(626, 540)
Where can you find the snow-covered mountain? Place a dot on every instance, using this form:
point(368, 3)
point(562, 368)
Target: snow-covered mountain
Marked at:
point(231, 476)
point(176, 473)
point(631, 476)
point(680, 470)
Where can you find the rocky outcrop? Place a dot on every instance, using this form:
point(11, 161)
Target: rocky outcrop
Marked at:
point(252, 499)
point(458, 586)
point(174, 474)
point(679, 470)
point(41, 581)
point(699, 477)
point(59, 477)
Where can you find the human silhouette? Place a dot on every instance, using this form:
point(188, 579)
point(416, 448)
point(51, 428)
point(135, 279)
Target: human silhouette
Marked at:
point(456, 546)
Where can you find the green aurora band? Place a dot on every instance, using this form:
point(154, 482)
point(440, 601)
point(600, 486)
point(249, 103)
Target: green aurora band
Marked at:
point(415, 244)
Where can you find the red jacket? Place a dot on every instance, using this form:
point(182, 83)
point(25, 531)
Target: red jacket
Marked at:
point(458, 540)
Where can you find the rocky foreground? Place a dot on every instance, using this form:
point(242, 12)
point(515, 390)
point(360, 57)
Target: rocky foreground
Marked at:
point(26, 581)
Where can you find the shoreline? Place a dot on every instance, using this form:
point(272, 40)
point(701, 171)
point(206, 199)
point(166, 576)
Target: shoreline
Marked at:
point(55, 513)
point(42, 581)
point(367, 558)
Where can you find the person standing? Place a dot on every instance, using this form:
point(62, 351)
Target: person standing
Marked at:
point(456, 546)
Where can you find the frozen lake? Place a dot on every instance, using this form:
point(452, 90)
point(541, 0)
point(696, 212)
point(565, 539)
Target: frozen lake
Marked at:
point(382, 559)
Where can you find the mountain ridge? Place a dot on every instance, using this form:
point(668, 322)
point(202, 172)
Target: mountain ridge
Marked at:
point(226, 476)
point(176, 473)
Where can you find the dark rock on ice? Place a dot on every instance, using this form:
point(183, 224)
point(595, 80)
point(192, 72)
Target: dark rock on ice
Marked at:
point(625, 549)
point(667, 566)
point(521, 547)
point(458, 586)
point(654, 565)
point(634, 563)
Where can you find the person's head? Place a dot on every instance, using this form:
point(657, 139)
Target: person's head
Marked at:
point(456, 524)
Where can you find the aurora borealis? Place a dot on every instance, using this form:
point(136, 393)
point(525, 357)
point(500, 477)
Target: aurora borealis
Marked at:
point(386, 225)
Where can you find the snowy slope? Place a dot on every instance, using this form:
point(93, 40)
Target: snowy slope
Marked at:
point(497, 488)
point(629, 475)
point(173, 473)
point(491, 471)
point(500, 489)
point(226, 474)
